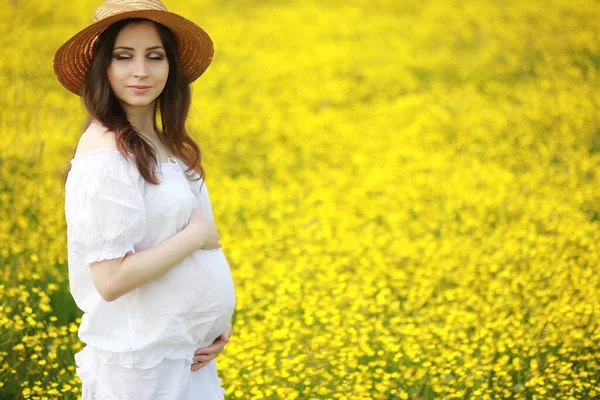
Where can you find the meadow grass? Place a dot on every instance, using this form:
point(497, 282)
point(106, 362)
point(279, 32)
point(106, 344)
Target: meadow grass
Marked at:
point(407, 193)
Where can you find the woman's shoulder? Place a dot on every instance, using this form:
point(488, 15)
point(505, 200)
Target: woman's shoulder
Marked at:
point(96, 137)
point(97, 154)
point(97, 144)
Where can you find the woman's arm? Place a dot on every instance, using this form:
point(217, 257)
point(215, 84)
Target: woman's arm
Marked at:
point(117, 277)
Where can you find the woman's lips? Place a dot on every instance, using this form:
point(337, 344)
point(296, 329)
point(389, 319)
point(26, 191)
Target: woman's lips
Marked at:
point(139, 89)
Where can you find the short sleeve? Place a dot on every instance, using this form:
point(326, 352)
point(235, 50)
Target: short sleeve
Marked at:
point(104, 206)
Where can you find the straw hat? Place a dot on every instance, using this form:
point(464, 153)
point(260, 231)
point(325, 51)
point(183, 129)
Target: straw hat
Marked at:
point(72, 60)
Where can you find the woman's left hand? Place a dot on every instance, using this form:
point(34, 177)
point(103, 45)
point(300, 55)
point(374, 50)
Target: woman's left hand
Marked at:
point(204, 355)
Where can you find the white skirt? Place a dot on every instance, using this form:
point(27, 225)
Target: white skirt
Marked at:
point(169, 380)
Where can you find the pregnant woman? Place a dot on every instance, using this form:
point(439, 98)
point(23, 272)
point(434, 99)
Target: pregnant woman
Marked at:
point(145, 261)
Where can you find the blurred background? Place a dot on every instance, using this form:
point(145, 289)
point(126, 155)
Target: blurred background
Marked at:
point(407, 193)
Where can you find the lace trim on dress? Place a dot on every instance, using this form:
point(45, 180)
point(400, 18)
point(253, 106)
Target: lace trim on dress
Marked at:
point(108, 254)
point(83, 154)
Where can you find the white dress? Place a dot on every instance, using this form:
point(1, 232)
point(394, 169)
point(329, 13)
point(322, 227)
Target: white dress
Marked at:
point(141, 345)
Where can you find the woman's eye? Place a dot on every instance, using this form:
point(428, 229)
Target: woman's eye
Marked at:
point(155, 56)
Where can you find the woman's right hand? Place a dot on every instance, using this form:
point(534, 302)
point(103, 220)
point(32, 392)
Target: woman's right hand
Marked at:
point(204, 230)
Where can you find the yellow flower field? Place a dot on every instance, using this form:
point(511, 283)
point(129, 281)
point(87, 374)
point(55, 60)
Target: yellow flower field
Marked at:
point(408, 193)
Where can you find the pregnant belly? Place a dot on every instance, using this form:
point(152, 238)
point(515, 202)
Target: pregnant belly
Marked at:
point(191, 304)
point(209, 312)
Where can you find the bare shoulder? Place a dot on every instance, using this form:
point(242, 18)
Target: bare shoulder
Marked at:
point(96, 137)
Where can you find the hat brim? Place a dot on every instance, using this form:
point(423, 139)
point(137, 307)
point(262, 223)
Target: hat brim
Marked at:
point(72, 60)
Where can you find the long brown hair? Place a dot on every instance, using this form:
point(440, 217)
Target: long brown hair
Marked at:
point(173, 104)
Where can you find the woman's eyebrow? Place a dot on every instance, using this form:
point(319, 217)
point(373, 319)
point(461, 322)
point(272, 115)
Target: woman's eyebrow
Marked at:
point(132, 49)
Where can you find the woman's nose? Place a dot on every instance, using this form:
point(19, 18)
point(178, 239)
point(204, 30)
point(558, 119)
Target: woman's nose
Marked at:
point(141, 69)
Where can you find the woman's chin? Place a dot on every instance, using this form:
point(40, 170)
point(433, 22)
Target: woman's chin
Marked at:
point(140, 101)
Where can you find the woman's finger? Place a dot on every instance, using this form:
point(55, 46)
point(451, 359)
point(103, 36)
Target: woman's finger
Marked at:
point(206, 350)
point(214, 348)
point(218, 342)
point(203, 357)
point(197, 366)
point(208, 355)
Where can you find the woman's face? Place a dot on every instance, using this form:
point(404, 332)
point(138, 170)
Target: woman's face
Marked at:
point(139, 68)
